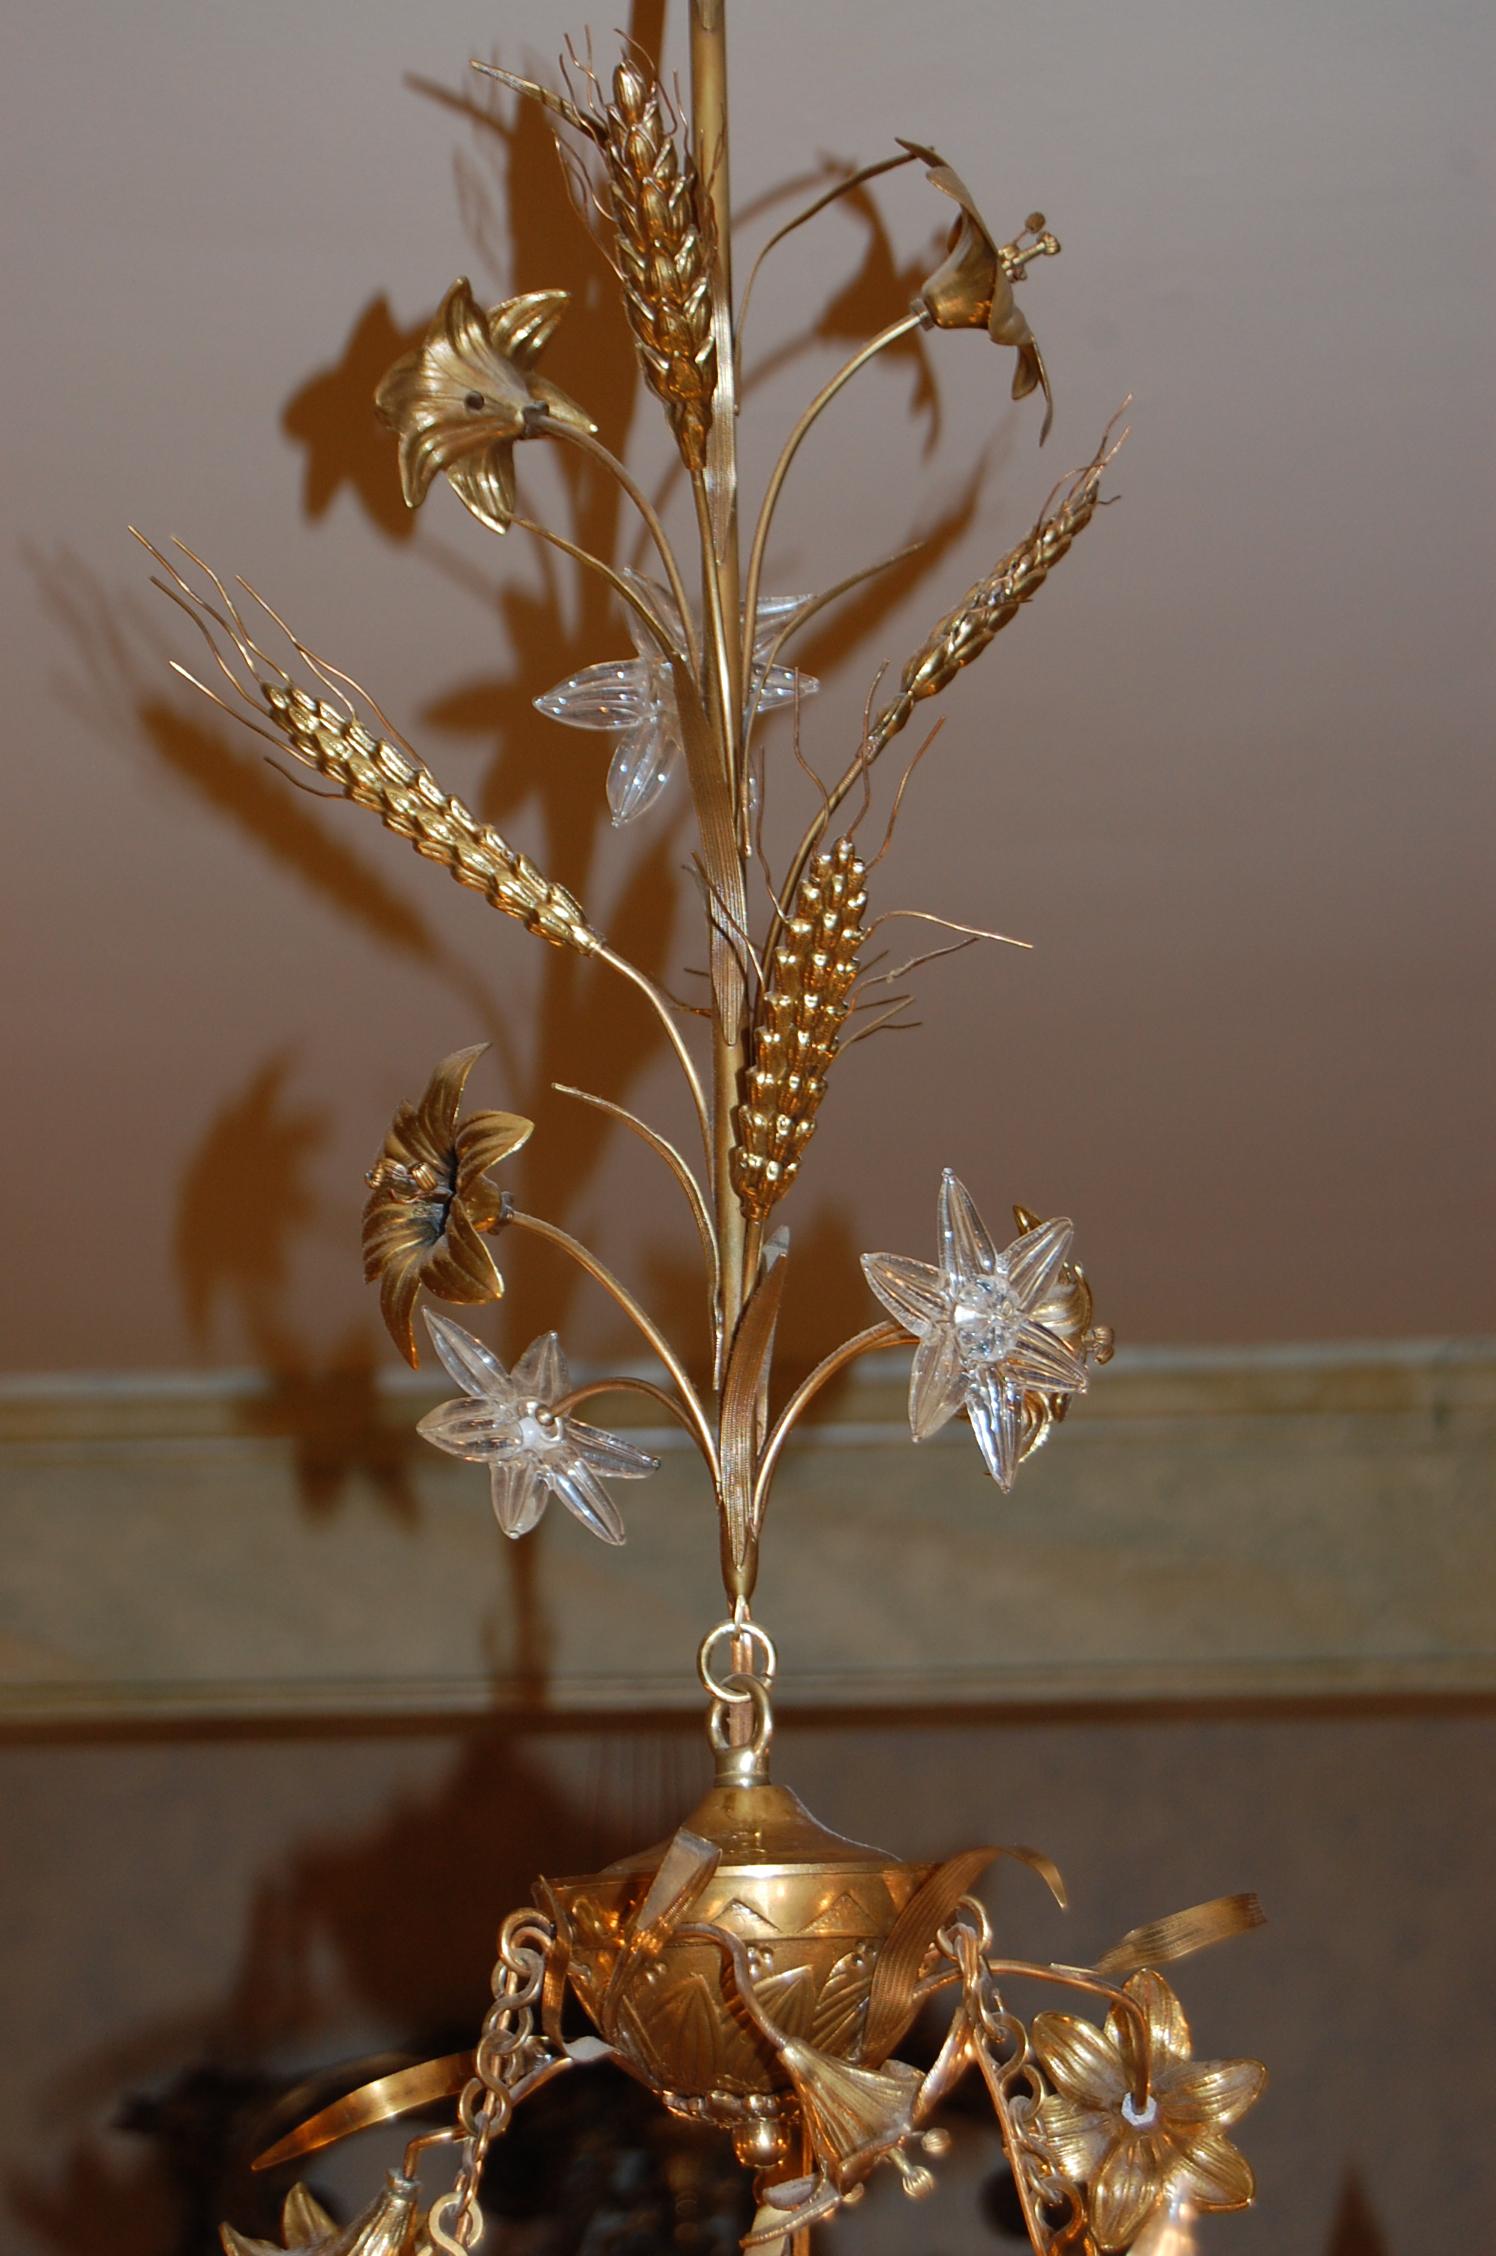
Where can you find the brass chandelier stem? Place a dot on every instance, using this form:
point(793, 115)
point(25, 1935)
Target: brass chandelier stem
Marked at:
point(722, 676)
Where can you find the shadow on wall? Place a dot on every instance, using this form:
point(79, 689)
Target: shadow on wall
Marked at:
point(245, 1190)
point(599, 2168)
point(1357, 2232)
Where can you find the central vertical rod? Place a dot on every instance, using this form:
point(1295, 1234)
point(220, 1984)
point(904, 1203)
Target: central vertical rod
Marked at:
point(716, 494)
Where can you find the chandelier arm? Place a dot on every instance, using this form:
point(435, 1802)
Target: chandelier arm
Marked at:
point(862, 1343)
point(1078, 1978)
point(846, 187)
point(554, 428)
point(673, 1035)
point(690, 1400)
point(643, 611)
point(674, 1160)
point(802, 618)
point(625, 1385)
point(903, 327)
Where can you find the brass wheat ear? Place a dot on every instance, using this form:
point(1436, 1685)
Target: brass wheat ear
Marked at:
point(665, 242)
point(797, 1027)
point(402, 791)
point(325, 733)
point(984, 610)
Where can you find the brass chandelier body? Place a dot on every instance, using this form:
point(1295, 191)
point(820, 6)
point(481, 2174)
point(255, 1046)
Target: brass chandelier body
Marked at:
point(755, 1972)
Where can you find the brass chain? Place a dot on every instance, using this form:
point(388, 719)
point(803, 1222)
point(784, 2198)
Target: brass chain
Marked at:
point(508, 2048)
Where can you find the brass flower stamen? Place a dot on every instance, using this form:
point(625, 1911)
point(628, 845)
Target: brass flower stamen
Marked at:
point(973, 287)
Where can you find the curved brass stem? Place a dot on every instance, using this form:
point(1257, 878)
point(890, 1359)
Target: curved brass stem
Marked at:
point(886, 337)
point(677, 1410)
point(676, 1039)
point(700, 1212)
point(862, 1343)
point(699, 1422)
point(553, 428)
point(845, 187)
point(620, 586)
point(1078, 1978)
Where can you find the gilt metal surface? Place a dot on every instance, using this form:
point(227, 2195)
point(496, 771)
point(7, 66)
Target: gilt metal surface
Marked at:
point(754, 1970)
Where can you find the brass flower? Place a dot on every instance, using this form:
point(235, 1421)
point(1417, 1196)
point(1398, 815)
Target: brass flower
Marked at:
point(1067, 1310)
point(389, 2227)
point(428, 1200)
point(973, 288)
point(462, 398)
point(1132, 2158)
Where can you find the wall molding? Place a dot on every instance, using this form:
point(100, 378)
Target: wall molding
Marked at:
point(1211, 1524)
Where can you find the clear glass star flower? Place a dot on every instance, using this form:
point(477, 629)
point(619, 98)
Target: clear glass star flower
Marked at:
point(634, 698)
point(507, 1421)
point(981, 1345)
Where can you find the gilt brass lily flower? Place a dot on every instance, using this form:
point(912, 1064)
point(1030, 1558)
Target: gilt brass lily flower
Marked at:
point(973, 288)
point(429, 1199)
point(387, 2228)
point(460, 401)
point(1134, 2159)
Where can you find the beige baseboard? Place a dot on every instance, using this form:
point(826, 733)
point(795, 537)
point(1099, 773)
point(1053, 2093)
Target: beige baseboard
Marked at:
point(1255, 1524)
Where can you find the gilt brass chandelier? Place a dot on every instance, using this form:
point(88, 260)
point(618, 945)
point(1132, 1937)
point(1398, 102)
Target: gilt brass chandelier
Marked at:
point(755, 1972)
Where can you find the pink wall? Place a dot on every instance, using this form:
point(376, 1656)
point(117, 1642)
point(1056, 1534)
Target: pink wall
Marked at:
point(1231, 776)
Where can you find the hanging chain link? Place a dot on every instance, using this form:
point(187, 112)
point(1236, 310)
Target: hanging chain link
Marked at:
point(509, 2047)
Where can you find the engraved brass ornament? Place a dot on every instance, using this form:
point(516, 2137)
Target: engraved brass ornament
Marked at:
point(461, 400)
point(430, 1199)
point(757, 1972)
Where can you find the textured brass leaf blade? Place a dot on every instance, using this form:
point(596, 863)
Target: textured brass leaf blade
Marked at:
point(379, 2102)
point(719, 852)
point(1182, 1934)
point(840, 2006)
point(739, 1434)
point(891, 1997)
point(686, 1865)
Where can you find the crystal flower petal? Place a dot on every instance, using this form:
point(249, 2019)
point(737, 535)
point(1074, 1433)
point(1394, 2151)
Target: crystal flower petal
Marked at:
point(509, 1421)
point(634, 698)
point(978, 1315)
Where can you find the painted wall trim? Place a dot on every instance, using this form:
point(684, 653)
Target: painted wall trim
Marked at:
point(1210, 1524)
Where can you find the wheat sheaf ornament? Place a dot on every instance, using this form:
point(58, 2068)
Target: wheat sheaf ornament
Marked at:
point(757, 1973)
